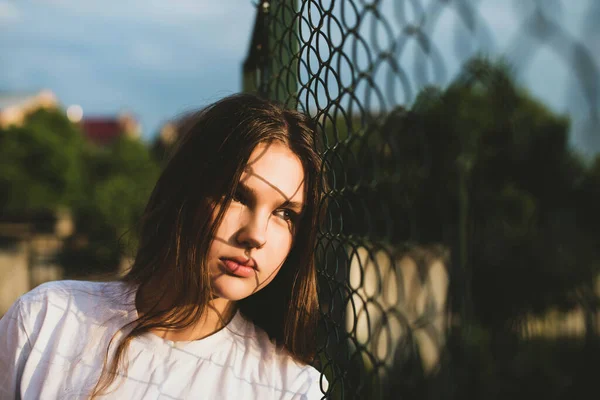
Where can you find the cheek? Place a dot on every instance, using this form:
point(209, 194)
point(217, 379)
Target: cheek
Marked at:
point(229, 223)
point(281, 240)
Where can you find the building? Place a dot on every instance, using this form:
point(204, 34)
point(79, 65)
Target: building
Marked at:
point(169, 135)
point(29, 251)
point(103, 131)
point(15, 106)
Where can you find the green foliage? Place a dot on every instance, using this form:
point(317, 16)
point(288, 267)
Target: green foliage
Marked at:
point(589, 199)
point(40, 164)
point(46, 163)
point(482, 154)
point(118, 181)
point(480, 366)
point(525, 249)
point(510, 154)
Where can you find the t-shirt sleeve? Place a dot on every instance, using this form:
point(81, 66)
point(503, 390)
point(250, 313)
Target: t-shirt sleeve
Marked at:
point(318, 387)
point(307, 385)
point(14, 351)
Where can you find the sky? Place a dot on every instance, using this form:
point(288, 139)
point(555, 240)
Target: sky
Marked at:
point(159, 58)
point(155, 58)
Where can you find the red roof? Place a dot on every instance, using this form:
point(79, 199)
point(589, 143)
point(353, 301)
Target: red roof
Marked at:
point(101, 131)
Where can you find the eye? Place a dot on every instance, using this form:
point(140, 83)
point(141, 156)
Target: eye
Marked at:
point(238, 197)
point(287, 215)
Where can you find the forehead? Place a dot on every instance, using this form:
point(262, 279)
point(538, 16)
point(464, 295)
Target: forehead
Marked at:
point(274, 170)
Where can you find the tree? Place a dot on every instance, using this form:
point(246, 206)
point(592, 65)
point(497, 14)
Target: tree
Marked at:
point(46, 163)
point(40, 164)
point(117, 181)
point(483, 168)
point(500, 159)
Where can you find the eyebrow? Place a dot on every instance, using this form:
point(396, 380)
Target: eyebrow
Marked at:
point(294, 205)
point(251, 194)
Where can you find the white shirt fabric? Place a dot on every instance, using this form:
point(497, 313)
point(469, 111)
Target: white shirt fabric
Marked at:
point(53, 342)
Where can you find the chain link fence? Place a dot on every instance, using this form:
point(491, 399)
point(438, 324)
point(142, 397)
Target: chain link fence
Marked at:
point(461, 206)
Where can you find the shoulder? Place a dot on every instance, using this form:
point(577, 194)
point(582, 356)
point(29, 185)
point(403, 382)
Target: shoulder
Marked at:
point(52, 300)
point(297, 378)
point(60, 292)
point(57, 289)
point(293, 378)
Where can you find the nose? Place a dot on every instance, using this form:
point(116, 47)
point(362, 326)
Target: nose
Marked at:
point(253, 230)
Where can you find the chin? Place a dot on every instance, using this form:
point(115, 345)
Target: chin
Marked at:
point(233, 288)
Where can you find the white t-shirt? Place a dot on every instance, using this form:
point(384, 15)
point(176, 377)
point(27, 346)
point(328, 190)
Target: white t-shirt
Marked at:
point(53, 342)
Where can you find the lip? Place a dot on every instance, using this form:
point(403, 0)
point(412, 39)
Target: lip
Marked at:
point(239, 266)
point(248, 262)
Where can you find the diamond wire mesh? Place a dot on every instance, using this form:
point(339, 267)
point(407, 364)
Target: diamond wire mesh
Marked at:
point(363, 69)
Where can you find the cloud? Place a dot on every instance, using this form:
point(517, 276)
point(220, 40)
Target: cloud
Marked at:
point(9, 12)
point(155, 57)
point(149, 27)
point(160, 11)
point(150, 55)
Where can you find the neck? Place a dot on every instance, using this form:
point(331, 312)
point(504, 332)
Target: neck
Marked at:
point(216, 315)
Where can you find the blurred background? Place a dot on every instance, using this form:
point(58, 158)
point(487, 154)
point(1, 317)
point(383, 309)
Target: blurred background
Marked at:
point(460, 254)
point(88, 94)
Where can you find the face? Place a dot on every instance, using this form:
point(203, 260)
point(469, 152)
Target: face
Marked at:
point(257, 230)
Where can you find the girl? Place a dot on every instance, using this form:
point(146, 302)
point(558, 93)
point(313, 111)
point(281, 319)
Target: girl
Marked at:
point(220, 302)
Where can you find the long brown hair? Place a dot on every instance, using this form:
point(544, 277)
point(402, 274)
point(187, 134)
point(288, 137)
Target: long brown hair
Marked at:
point(187, 206)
